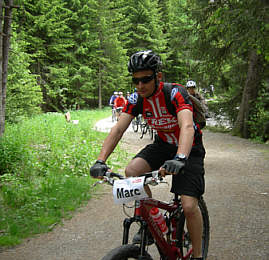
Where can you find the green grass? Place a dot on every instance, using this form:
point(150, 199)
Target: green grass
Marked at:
point(44, 171)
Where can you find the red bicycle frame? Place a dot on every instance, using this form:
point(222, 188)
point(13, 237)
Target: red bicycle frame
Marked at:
point(167, 247)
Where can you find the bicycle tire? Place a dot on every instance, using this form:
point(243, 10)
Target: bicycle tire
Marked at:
point(114, 116)
point(145, 128)
point(183, 233)
point(135, 125)
point(151, 133)
point(125, 252)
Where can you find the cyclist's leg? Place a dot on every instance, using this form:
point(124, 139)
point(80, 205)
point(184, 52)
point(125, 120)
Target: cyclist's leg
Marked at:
point(194, 222)
point(136, 167)
point(150, 158)
point(190, 186)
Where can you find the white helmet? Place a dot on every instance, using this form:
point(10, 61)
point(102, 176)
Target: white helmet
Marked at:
point(191, 84)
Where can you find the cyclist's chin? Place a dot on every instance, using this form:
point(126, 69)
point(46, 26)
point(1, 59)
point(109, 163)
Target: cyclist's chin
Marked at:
point(145, 94)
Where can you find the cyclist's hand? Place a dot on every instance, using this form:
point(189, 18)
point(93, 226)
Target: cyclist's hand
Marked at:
point(172, 166)
point(98, 169)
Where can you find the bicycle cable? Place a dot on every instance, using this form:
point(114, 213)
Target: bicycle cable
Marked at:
point(124, 206)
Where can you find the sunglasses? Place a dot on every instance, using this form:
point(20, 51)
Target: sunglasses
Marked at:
point(144, 80)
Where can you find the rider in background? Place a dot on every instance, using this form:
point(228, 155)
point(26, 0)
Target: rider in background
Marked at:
point(191, 87)
point(112, 99)
point(127, 95)
point(119, 103)
point(178, 144)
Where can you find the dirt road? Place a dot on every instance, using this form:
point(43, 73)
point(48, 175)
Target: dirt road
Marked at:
point(237, 196)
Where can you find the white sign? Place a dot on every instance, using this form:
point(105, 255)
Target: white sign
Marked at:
point(129, 189)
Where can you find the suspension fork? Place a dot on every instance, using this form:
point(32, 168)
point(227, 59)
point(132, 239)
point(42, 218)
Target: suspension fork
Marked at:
point(128, 222)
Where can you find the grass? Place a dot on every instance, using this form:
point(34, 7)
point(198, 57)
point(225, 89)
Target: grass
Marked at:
point(44, 171)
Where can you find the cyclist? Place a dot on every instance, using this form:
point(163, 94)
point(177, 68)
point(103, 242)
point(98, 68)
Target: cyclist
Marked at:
point(111, 103)
point(127, 95)
point(112, 99)
point(178, 143)
point(119, 103)
point(191, 87)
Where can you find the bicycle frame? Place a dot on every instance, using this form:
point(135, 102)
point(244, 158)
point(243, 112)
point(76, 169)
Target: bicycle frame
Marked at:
point(167, 247)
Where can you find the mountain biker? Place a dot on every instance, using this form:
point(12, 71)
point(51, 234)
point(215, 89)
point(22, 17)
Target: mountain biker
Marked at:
point(178, 143)
point(127, 95)
point(119, 103)
point(191, 87)
point(112, 99)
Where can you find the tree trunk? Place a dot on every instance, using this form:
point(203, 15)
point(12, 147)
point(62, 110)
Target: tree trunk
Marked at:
point(249, 96)
point(4, 62)
point(2, 115)
point(100, 88)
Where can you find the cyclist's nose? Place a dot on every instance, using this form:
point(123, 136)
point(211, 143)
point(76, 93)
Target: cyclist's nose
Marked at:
point(139, 85)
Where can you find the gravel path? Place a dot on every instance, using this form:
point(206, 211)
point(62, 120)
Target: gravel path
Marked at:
point(237, 196)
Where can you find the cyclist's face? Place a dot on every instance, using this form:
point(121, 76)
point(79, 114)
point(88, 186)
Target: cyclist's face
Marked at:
point(145, 82)
point(191, 91)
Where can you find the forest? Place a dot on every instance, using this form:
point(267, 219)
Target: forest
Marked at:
point(72, 54)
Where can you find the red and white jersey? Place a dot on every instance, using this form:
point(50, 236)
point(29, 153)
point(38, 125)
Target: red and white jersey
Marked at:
point(156, 113)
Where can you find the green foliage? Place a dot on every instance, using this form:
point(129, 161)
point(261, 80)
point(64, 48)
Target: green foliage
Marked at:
point(76, 52)
point(44, 162)
point(259, 120)
point(23, 94)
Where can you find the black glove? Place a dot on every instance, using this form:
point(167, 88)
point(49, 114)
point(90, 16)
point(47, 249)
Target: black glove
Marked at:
point(174, 166)
point(98, 169)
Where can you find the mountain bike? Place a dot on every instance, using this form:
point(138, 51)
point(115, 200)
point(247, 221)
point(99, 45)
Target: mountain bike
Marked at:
point(147, 129)
point(114, 117)
point(136, 123)
point(176, 244)
point(118, 112)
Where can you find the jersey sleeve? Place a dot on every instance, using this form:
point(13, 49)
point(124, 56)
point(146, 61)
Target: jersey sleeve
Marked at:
point(180, 99)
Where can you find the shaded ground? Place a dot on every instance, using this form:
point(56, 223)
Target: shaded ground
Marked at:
point(237, 196)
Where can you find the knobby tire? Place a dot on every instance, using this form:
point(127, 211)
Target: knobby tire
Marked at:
point(135, 125)
point(125, 252)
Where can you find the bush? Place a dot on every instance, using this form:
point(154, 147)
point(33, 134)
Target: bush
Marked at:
point(259, 120)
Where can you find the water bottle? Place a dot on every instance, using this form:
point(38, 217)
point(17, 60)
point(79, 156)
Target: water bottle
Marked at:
point(159, 219)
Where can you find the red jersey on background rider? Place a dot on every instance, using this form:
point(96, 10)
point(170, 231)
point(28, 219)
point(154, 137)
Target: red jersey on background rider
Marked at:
point(120, 101)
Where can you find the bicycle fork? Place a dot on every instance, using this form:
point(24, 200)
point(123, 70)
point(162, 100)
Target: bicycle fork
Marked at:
point(126, 228)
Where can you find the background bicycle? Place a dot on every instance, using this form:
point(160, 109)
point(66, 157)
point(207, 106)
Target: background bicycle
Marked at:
point(145, 128)
point(137, 122)
point(114, 117)
point(118, 112)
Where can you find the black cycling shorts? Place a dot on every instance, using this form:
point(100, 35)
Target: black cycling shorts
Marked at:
point(191, 182)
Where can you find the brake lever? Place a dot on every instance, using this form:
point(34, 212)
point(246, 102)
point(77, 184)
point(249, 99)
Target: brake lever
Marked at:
point(98, 182)
point(105, 179)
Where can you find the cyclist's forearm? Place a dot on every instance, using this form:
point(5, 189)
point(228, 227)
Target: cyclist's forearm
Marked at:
point(185, 140)
point(186, 132)
point(109, 144)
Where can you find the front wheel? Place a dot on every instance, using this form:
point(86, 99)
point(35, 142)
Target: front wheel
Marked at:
point(135, 125)
point(125, 252)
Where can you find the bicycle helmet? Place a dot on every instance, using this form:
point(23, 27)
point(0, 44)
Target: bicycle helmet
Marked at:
point(191, 84)
point(144, 60)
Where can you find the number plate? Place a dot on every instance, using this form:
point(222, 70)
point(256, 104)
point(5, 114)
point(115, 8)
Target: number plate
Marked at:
point(129, 189)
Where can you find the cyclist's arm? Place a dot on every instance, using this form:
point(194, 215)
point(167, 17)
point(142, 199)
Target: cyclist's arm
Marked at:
point(114, 136)
point(185, 122)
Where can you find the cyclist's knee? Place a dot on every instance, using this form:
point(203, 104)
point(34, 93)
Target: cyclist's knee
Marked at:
point(137, 167)
point(129, 171)
point(190, 205)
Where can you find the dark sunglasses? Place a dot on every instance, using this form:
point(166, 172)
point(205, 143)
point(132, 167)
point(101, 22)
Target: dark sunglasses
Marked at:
point(144, 80)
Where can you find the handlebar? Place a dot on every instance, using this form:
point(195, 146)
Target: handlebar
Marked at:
point(152, 178)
